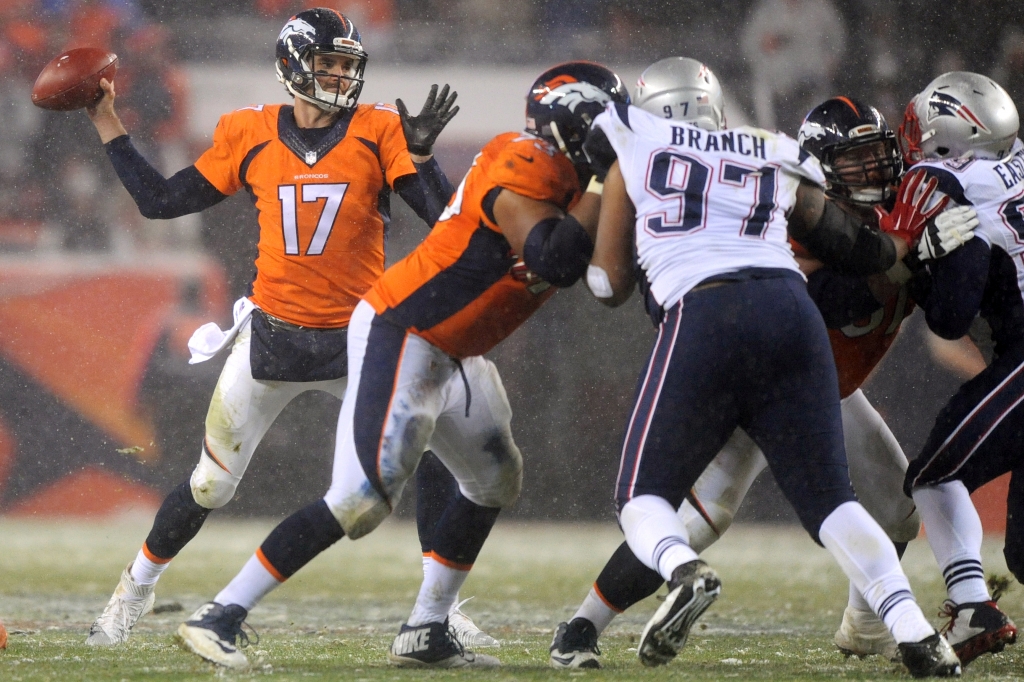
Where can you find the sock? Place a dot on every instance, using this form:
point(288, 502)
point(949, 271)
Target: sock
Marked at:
point(954, 534)
point(436, 489)
point(625, 580)
point(441, 584)
point(857, 601)
point(300, 538)
point(178, 520)
point(597, 610)
point(656, 534)
point(146, 570)
point(252, 583)
point(869, 560)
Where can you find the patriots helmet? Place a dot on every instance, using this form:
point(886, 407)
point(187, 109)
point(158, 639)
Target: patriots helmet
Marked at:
point(565, 100)
point(319, 31)
point(959, 113)
point(682, 89)
point(856, 148)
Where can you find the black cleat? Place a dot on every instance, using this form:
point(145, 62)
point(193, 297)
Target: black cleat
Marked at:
point(434, 646)
point(931, 657)
point(213, 633)
point(575, 645)
point(692, 589)
point(977, 628)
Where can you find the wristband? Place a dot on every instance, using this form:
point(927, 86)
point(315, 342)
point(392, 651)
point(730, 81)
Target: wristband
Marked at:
point(595, 186)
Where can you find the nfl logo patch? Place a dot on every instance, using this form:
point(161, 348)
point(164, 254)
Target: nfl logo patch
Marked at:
point(310, 158)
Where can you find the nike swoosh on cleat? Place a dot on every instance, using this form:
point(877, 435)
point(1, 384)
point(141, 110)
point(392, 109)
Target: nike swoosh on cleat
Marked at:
point(563, 661)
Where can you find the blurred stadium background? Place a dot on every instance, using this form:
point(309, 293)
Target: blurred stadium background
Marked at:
point(100, 414)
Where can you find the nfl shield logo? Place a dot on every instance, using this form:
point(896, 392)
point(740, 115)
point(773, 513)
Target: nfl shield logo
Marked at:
point(310, 158)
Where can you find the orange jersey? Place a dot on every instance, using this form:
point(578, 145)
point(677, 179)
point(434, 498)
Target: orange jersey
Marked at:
point(457, 289)
point(860, 346)
point(321, 241)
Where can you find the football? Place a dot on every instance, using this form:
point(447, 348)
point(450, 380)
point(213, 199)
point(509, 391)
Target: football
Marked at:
point(72, 79)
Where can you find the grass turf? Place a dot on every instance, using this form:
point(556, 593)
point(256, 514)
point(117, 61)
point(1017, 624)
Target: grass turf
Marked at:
point(782, 600)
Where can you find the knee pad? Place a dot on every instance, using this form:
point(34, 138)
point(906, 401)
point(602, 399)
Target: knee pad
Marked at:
point(905, 530)
point(503, 489)
point(212, 487)
point(360, 515)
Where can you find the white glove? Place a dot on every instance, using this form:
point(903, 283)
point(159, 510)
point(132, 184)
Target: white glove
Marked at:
point(950, 230)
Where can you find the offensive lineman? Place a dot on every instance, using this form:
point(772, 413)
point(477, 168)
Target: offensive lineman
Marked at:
point(516, 228)
point(962, 130)
point(740, 344)
point(861, 162)
point(319, 172)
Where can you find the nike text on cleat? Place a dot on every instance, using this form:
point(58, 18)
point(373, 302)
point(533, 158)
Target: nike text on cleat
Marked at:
point(977, 628)
point(862, 633)
point(692, 589)
point(214, 632)
point(931, 657)
point(466, 631)
point(575, 645)
point(129, 602)
point(434, 646)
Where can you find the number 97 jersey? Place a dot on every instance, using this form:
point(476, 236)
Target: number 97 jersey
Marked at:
point(707, 203)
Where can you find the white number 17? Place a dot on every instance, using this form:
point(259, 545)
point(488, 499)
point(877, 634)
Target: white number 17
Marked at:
point(333, 193)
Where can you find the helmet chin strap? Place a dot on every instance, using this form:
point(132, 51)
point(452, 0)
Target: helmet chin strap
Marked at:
point(558, 138)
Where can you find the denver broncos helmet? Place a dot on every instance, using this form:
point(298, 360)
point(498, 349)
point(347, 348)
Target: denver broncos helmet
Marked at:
point(957, 113)
point(319, 31)
point(565, 100)
point(856, 148)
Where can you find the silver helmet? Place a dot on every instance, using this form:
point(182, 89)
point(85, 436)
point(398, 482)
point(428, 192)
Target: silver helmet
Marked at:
point(682, 89)
point(959, 112)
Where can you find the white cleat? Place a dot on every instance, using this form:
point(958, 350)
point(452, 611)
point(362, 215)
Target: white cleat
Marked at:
point(862, 633)
point(129, 602)
point(466, 631)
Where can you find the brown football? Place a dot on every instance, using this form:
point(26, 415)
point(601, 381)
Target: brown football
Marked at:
point(72, 79)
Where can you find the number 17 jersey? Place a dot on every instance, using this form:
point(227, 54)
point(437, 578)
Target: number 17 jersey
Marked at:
point(707, 203)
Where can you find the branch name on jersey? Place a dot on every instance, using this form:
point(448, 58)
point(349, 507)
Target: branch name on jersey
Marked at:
point(707, 203)
point(323, 208)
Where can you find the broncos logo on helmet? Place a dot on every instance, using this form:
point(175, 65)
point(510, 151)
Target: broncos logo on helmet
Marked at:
point(571, 95)
point(297, 27)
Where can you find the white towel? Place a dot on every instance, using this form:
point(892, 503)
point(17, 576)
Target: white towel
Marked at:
point(210, 339)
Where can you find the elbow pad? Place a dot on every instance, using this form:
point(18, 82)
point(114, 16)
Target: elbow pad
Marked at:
point(846, 245)
point(558, 251)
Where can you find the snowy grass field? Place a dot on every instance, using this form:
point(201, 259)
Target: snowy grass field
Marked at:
point(782, 600)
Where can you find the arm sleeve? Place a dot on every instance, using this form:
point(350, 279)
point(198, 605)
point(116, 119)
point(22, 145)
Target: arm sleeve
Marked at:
point(957, 286)
point(841, 299)
point(427, 192)
point(558, 250)
point(187, 191)
point(846, 245)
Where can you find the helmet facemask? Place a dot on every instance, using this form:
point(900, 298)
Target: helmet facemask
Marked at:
point(863, 172)
point(305, 81)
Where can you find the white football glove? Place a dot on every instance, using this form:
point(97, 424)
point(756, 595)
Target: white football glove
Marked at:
point(950, 230)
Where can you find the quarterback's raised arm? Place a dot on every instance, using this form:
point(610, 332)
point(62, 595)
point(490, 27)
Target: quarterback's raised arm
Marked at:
point(611, 277)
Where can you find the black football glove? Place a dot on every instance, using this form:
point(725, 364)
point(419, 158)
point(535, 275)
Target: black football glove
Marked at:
point(599, 153)
point(421, 131)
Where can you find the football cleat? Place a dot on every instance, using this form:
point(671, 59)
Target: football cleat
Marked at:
point(692, 589)
point(977, 628)
point(214, 632)
point(434, 646)
point(862, 633)
point(466, 631)
point(129, 602)
point(575, 645)
point(931, 657)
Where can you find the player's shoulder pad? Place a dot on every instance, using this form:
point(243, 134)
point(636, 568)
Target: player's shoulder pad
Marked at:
point(949, 183)
point(530, 166)
point(385, 107)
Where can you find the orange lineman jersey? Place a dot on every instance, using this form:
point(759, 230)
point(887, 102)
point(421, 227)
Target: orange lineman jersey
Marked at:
point(860, 346)
point(457, 289)
point(321, 242)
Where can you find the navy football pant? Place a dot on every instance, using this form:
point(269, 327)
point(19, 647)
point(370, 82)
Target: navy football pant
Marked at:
point(979, 436)
point(752, 353)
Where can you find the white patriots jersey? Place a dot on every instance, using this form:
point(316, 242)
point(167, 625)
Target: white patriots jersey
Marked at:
point(707, 203)
point(996, 191)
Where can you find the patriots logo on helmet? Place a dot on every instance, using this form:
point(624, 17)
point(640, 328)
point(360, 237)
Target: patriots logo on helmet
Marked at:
point(297, 27)
point(571, 95)
point(942, 104)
